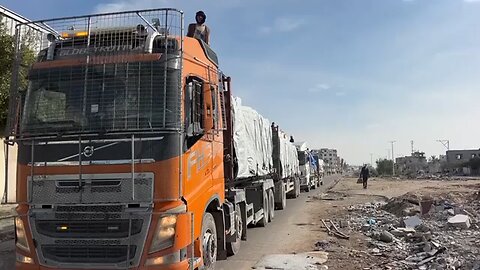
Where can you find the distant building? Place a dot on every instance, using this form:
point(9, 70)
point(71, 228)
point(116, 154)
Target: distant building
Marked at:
point(457, 158)
point(411, 165)
point(457, 161)
point(333, 163)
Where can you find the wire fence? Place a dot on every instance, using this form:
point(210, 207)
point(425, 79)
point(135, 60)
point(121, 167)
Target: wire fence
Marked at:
point(100, 73)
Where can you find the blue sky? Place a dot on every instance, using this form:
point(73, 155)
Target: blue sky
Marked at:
point(347, 74)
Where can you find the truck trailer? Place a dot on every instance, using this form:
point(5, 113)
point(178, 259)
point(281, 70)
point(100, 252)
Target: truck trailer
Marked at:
point(133, 152)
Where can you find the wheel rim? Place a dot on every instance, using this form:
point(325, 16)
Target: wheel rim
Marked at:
point(209, 247)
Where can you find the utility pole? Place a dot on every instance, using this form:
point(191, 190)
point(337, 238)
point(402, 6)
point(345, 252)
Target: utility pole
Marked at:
point(411, 142)
point(371, 159)
point(393, 158)
point(445, 143)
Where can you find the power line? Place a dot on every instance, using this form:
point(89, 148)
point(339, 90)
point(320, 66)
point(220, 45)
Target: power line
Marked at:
point(445, 143)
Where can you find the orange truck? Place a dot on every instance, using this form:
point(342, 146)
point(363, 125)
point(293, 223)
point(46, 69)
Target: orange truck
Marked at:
point(132, 151)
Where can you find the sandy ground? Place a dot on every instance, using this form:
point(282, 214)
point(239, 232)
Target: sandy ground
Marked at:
point(354, 253)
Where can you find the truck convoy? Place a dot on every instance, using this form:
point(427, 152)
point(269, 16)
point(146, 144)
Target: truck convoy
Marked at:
point(310, 177)
point(133, 152)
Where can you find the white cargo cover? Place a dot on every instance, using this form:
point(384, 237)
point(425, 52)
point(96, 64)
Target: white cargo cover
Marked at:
point(288, 156)
point(252, 141)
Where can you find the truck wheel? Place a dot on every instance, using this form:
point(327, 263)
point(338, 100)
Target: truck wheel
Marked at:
point(264, 221)
point(283, 198)
point(234, 247)
point(209, 242)
point(314, 186)
point(271, 206)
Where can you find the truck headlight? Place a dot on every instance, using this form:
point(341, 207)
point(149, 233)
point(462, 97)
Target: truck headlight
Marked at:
point(164, 234)
point(24, 259)
point(20, 235)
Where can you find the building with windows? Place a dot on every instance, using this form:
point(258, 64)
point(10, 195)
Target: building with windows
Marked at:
point(457, 158)
point(333, 163)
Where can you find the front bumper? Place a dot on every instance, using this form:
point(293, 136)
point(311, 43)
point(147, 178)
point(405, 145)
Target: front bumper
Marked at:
point(175, 266)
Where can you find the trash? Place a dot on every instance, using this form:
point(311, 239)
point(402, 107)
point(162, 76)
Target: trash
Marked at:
point(322, 245)
point(333, 229)
point(412, 222)
point(451, 212)
point(371, 221)
point(386, 237)
point(460, 221)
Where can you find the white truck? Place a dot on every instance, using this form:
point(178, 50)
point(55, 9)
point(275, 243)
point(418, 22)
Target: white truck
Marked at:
point(309, 178)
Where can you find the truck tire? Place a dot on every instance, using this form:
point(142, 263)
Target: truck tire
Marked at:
point(209, 242)
point(282, 204)
point(234, 247)
point(264, 221)
point(307, 188)
point(271, 206)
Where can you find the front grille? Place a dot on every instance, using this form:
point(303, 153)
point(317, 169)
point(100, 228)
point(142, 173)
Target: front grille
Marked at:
point(90, 208)
point(89, 254)
point(86, 216)
point(89, 229)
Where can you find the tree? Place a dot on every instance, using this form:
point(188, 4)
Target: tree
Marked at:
point(7, 58)
point(7, 54)
point(385, 167)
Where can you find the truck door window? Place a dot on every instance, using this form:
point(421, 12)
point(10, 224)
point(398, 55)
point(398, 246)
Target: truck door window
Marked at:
point(194, 107)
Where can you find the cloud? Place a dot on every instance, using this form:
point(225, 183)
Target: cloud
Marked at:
point(283, 25)
point(471, 1)
point(320, 87)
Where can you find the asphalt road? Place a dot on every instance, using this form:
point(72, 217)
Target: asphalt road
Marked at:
point(283, 235)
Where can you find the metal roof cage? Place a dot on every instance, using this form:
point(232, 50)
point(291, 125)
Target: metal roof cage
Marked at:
point(112, 72)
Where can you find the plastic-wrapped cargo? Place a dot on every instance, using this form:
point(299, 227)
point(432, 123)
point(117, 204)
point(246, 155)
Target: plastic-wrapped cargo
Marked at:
point(288, 156)
point(252, 140)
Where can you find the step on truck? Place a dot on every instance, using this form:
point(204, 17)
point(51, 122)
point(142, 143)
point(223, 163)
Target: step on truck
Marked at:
point(132, 151)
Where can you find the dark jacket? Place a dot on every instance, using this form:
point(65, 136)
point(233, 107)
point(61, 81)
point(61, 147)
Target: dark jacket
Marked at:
point(365, 173)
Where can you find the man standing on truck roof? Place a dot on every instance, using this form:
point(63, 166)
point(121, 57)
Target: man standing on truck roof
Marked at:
point(199, 30)
point(364, 174)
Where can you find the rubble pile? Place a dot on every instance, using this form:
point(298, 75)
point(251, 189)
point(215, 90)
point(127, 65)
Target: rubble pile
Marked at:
point(445, 236)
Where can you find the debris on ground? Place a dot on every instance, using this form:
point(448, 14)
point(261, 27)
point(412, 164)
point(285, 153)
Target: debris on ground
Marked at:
point(408, 240)
point(302, 261)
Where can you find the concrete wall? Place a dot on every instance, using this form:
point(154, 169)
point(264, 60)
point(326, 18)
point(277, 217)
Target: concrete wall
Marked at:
point(12, 171)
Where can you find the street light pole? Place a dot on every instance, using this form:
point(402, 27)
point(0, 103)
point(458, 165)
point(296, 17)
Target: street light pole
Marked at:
point(393, 158)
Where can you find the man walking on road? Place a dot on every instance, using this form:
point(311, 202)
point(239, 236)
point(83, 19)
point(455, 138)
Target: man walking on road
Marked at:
point(364, 174)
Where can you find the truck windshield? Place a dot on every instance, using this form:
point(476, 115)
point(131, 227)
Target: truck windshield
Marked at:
point(102, 98)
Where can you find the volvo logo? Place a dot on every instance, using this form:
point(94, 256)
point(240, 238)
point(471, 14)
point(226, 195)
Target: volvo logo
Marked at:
point(88, 151)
